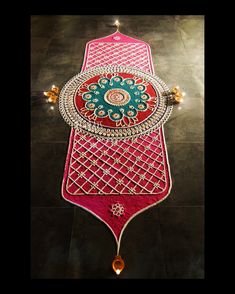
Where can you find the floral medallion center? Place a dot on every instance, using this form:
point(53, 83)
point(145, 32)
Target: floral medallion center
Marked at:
point(117, 97)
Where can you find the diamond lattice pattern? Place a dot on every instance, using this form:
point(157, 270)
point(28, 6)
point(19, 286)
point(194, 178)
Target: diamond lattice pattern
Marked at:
point(124, 167)
point(127, 54)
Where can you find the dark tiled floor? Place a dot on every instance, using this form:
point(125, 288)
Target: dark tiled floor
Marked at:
point(47, 160)
point(186, 163)
point(165, 241)
point(182, 241)
point(50, 239)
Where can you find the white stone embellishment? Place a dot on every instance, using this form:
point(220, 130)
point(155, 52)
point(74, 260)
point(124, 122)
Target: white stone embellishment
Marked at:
point(116, 38)
point(117, 209)
point(104, 152)
point(119, 181)
point(147, 147)
point(132, 190)
point(106, 171)
point(82, 154)
point(93, 145)
point(94, 162)
point(116, 160)
point(151, 165)
point(94, 186)
point(138, 158)
point(156, 185)
point(130, 168)
point(125, 149)
point(81, 174)
point(142, 177)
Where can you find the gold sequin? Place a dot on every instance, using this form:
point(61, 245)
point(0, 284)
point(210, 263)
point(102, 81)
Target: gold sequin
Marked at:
point(140, 106)
point(116, 115)
point(140, 88)
point(91, 105)
point(130, 113)
point(101, 112)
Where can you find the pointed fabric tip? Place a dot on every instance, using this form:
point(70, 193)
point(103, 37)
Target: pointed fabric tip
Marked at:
point(118, 264)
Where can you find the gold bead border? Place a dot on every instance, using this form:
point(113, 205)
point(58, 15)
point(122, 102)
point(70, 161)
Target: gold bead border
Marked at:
point(68, 110)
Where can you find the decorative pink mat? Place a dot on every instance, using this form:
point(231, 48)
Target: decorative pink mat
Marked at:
point(115, 181)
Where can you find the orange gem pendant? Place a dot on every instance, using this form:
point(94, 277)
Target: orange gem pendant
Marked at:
point(118, 264)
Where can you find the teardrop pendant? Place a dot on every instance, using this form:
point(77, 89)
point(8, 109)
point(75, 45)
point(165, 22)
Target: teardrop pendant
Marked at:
point(118, 264)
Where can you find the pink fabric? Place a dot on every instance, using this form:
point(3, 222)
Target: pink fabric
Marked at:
point(118, 49)
point(150, 177)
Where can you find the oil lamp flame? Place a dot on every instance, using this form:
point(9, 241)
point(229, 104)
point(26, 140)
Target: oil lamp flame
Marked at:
point(117, 23)
point(118, 264)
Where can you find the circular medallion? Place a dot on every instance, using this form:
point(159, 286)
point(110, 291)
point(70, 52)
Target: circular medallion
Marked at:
point(117, 97)
point(114, 102)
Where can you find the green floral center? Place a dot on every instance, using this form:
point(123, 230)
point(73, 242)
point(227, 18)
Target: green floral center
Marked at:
point(116, 98)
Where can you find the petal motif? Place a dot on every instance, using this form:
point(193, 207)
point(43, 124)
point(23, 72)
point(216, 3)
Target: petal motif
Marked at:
point(144, 96)
point(116, 81)
point(90, 105)
point(141, 88)
point(103, 82)
point(116, 115)
point(93, 87)
point(100, 112)
point(88, 96)
point(131, 112)
point(142, 106)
